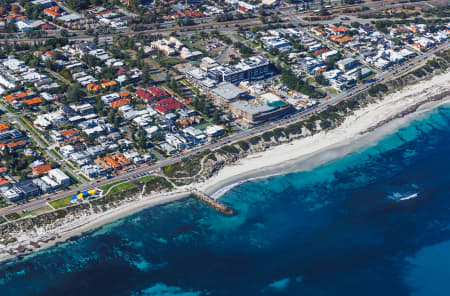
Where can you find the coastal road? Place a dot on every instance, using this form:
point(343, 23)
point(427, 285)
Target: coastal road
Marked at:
point(241, 135)
point(165, 31)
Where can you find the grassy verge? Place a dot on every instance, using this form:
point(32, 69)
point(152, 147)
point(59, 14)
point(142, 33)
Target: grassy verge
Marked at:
point(72, 177)
point(57, 154)
point(69, 164)
point(83, 177)
point(12, 110)
point(61, 203)
point(155, 157)
point(33, 131)
point(37, 211)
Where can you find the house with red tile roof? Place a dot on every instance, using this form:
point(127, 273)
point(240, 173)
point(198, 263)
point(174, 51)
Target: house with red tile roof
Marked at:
point(69, 133)
point(109, 84)
point(48, 27)
point(41, 169)
point(19, 96)
point(337, 30)
point(13, 145)
point(143, 94)
point(158, 93)
point(53, 12)
point(3, 171)
point(94, 87)
point(167, 105)
point(4, 182)
point(3, 127)
point(120, 103)
point(33, 102)
point(125, 94)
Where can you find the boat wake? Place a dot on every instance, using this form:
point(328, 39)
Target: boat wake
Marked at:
point(398, 197)
point(409, 197)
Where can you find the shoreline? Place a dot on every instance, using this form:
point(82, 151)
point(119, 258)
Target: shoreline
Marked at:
point(308, 162)
point(363, 129)
point(93, 222)
point(301, 154)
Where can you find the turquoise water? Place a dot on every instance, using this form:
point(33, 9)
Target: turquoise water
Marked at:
point(341, 229)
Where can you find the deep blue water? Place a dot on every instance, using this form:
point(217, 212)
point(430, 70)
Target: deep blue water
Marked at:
point(340, 229)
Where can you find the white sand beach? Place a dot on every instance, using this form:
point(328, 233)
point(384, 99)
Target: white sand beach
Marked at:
point(302, 154)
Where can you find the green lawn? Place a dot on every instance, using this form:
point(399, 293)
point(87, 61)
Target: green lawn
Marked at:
point(61, 203)
point(107, 186)
point(202, 126)
point(122, 187)
point(168, 62)
point(331, 90)
point(119, 186)
point(146, 179)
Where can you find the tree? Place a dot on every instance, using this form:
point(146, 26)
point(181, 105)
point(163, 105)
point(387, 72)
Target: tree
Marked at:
point(111, 115)
point(320, 79)
point(216, 117)
point(145, 77)
point(74, 93)
point(359, 74)
point(78, 4)
point(274, 51)
point(142, 139)
point(11, 26)
point(99, 106)
point(158, 137)
point(116, 122)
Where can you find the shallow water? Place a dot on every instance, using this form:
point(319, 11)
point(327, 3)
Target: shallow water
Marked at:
point(344, 228)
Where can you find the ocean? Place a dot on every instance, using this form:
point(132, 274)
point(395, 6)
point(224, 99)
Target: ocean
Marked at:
point(375, 222)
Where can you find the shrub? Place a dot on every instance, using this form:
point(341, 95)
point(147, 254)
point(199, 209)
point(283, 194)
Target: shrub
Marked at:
point(244, 145)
